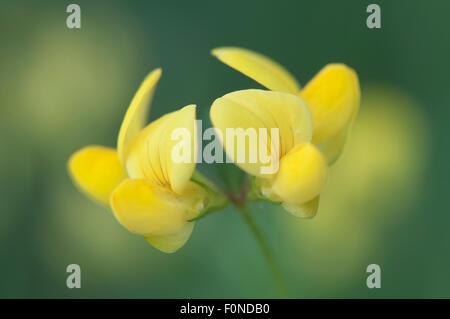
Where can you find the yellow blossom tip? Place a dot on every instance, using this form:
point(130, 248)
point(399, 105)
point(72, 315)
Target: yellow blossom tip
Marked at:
point(259, 67)
point(302, 175)
point(137, 112)
point(171, 243)
point(216, 52)
point(96, 171)
point(190, 107)
point(307, 210)
point(333, 96)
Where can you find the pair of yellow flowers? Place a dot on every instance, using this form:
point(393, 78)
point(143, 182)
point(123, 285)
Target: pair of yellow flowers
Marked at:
point(158, 198)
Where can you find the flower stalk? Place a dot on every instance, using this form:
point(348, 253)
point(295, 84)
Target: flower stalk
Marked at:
point(246, 213)
point(240, 202)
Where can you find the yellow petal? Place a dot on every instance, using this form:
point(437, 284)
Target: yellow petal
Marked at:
point(259, 109)
point(96, 170)
point(171, 243)
point(137, 113)
point(148, 209)
point(151, 155)
point(258, 67)
point(302, 175)
point(307, 210)
point(333, 97)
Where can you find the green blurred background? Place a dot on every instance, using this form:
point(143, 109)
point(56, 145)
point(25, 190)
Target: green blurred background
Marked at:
point(387, 197)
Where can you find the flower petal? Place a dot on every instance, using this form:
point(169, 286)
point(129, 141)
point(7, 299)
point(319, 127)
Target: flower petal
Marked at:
point(333, 97)
point(255, 109)
point(307, 210)
point(302, 175)
point(258, 67)
point(151, 152)
point(171, 243)
point(137, 113)
point(96, 170)
point(148, 209)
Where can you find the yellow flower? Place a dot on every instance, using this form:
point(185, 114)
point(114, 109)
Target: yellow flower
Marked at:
point(332, 96)
point(301, 174)
point(150, 194)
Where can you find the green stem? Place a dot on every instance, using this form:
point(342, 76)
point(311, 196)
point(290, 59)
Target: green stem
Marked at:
point(247, 214)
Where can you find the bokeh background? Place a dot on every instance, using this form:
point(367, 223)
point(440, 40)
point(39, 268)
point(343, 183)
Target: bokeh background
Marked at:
point(387, 197)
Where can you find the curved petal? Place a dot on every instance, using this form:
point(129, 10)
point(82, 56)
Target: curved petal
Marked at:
point(137, 113)
point(307, 210)
point(259, 109)
point(148, 209)
point(258, 67)
point(171, 243)
point(302, 175)
point(96, 170)
point(333, 97)
point(164, 152)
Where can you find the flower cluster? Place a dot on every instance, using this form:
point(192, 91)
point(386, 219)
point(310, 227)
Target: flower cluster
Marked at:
point(154, 196)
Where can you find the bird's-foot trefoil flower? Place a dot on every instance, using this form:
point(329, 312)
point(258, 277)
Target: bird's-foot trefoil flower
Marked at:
point(331, 99)
point(149, 193)
point(302, 171)
point(332, 96)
